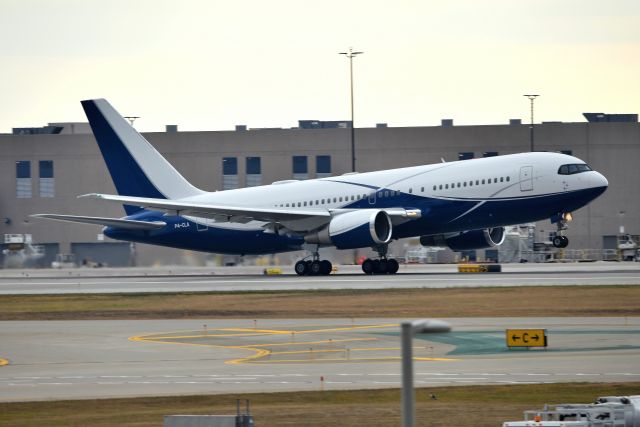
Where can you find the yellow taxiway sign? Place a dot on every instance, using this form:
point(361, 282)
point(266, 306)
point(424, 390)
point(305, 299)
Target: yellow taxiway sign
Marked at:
point(526, 337)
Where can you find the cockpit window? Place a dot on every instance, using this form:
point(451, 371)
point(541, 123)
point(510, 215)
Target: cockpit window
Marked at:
point(573, 169)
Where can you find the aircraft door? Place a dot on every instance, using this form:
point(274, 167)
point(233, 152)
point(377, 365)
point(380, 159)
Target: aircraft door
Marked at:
point(526, 178)
point(372, 197)
point(204, 226)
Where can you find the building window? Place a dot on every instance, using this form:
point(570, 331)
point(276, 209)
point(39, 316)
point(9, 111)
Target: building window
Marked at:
point(489, 154)
point(23, 179)
point(47, 182)
point(254, 171)
point(229, 173)
point(300, 168)
point(465, 155)
point(323, 166)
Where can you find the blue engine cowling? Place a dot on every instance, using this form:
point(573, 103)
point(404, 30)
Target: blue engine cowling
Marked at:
point(357, 229)
point(467, 240)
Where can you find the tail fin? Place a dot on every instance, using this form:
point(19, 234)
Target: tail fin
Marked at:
point(136, 168)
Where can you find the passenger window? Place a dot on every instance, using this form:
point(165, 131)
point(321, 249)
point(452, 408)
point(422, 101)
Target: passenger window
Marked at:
point(483, 182)
point(477, 182)
point(299, 204)
point(422, 189)
point(501, 179)
point(446, 186)
point(495, 180)
point(435, 187)
point(305, 203)
point(411, 191)
point(458, 185)
point(508, 179)
point(464, 184)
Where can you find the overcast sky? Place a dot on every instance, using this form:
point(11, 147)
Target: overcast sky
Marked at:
point(209, 64)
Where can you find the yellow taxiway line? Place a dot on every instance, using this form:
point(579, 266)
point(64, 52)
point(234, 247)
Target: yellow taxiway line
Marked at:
point(261, 353)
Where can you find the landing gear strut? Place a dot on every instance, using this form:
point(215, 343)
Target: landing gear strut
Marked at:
point(383, 265)
point(313, 267)
point(560, 240)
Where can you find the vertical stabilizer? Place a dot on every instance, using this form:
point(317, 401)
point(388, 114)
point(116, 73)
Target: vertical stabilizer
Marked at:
point(137, 169)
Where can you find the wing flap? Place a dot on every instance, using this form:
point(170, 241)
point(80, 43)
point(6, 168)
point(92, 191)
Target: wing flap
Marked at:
point(108, 222)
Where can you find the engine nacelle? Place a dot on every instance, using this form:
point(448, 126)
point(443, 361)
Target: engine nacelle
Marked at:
point(358, 229)
point(467, 240)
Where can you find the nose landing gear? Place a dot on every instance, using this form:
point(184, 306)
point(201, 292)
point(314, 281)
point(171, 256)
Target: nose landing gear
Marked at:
point(560, 240)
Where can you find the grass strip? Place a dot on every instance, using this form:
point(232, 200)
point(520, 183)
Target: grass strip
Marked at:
point(528, 301)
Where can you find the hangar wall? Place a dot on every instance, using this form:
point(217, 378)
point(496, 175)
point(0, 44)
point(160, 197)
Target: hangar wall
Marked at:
point(78, 168)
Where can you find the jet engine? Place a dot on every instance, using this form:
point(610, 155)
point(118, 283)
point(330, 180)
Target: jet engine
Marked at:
point(467, 240)
point(356, 229)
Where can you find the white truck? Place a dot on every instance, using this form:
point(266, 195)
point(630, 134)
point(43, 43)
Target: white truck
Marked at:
point(607, 411)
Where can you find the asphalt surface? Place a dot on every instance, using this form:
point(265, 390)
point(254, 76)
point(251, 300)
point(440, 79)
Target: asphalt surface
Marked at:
point(99, 359)
point(225, 279)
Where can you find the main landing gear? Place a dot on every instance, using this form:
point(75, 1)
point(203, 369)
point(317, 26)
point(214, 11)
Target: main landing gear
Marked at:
point(383, 265)
point(313, 267)
point(560, 240)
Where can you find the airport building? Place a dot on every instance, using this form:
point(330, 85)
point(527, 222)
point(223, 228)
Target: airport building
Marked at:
point(43, 170)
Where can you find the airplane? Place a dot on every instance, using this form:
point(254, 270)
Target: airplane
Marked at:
point(464, 205)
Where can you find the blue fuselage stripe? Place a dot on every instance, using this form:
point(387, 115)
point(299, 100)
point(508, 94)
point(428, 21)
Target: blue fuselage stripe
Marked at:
point(437, 215)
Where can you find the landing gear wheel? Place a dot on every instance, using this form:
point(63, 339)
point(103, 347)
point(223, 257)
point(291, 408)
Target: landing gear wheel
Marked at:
point(368, 266)
point(315, 268)
point(325, 267)
point(301, 268)
point(383, 266)
point(560, 241)
point(392, 266)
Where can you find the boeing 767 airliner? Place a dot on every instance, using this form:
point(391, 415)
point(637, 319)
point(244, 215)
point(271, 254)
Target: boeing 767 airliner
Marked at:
point(463, 205)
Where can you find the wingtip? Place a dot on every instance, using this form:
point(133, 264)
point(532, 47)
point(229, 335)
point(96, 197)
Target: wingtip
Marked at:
point(90, 196)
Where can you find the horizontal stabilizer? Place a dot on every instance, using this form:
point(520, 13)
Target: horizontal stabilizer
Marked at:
point(109, 222)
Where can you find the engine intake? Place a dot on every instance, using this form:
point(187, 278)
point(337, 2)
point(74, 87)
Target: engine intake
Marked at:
point(357, 229)
point(467, 240)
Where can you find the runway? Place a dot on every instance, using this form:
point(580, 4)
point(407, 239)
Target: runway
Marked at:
point(226, 279)
point(98, 359)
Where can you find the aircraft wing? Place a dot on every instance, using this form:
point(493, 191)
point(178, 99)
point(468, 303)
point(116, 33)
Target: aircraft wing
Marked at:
point(109, 222)
point(297, 220)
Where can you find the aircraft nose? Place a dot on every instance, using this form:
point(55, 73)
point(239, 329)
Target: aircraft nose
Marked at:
point(599, 180)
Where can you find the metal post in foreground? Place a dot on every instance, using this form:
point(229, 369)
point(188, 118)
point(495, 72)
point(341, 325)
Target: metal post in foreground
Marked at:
point(408, 330)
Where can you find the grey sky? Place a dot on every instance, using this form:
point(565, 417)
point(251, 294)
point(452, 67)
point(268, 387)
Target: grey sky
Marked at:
point(214, 64)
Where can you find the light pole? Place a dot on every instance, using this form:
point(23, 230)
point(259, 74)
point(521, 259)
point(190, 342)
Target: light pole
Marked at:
point(351, 54)
point(408, 330)
point(531, 99)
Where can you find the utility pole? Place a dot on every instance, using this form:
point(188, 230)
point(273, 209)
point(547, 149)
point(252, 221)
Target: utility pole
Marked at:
point(531, 99)
point(351, 54)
